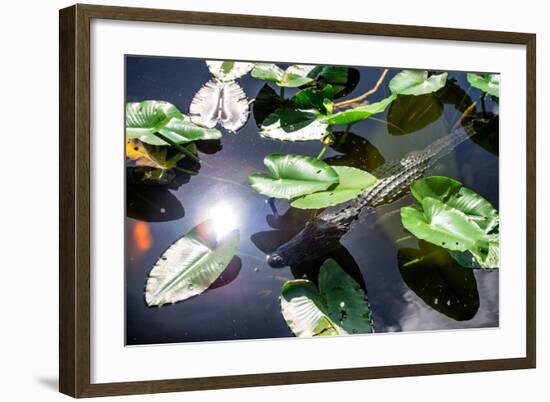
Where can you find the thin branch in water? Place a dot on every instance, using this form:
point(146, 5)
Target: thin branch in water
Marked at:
point(363, 96)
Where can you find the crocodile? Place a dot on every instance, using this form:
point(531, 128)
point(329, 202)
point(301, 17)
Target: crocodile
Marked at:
point(394, 180)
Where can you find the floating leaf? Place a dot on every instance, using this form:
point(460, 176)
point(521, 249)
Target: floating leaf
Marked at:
point(144, 119)
point(491, 260)
point(352, 182)
point(293, 176)
point(408, 113)
point(338, 307)
point(294, 76)
point(359, 113)
point(228, 70)
point(489, 83)
point(221, 103)
point(454, 194)
point(320, 99)
point(416, 82)
point(190, 265)
point(444, 226)
point(290, 124)
point(439, 281)
point(150, 156)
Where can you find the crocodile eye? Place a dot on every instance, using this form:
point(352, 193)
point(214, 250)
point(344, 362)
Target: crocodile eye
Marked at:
point(275, 260)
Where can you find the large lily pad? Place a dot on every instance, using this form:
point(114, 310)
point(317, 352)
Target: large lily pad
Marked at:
point(455, 195)
point(440, 224)
point(359, 113)
point(294, 76)
point(190, 265)
point(218, 102)
point(144, 119)
point(489, 83)
point(352, 182)
point(338, 307)
point(292, 176)
point(416, 82)
point(228, 70)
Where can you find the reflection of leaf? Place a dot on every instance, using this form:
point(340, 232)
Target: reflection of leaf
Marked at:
point(439, 281)
point(489, 83)
point(338, 307)
point(358, 113)
point(416, 82)
point(352, 182)
point(293, 76)
point(358, 152)
point(266, 102)
point(228, 70)
point(152, 204)
point(292, 176)
point(408, 114)
point(486, 130)
point(144, 119)
point(342, 79)
point(190, 265)
point(221, 103)
point(453, 94)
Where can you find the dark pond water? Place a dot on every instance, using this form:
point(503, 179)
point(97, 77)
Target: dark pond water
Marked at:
point(244, 302)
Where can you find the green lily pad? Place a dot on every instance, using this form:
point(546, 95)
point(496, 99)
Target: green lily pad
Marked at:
point(359, 113)
point(416, 82)
point(190, 265)
point(445, 226)
point(342, 79)
point(144, 119)
point(288, 123)
point(352, 182)
point(454, 194)
point(292, 176)
point(338, 307)
point(489, 83)
point(320, 99)
point(294, 76)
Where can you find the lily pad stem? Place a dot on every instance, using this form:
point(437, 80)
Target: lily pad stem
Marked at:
point(181, 149)
point(322, 152)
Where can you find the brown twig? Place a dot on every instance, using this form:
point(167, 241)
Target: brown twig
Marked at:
point(363, 96)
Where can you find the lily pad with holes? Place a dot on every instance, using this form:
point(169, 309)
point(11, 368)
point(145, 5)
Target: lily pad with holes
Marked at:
point(417, 82)
point(190, 265)
point(292, 176)
point(352, 182)
point(337, 307)
point(144, 119)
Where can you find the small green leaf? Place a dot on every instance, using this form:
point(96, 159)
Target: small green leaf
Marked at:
point(144, 119)
point(416, 82)
point(342, 79)
point(290, 124)
point(314, 98)
point(352, 182)
point(338, 307)
point(228, 70)
point(190, 265)
point(294, 76)
point(359, 113)
point(292, 176)
point(489, 83)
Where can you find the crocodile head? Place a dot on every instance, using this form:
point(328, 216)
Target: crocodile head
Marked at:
point(316, 239)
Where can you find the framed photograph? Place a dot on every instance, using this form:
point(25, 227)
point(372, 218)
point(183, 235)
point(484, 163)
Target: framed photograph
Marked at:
point(250, 200)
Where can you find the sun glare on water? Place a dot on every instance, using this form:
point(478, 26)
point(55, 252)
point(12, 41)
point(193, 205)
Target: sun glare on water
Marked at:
point(224, 219)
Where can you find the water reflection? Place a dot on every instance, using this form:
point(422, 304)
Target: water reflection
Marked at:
point(224, 218)
point(152, 204)
point(409, 114)
point(439, 281)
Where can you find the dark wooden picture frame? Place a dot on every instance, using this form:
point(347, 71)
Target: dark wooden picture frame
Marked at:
point(74, 193)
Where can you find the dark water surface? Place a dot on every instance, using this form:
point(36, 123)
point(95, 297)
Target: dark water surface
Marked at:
point(244, 302)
